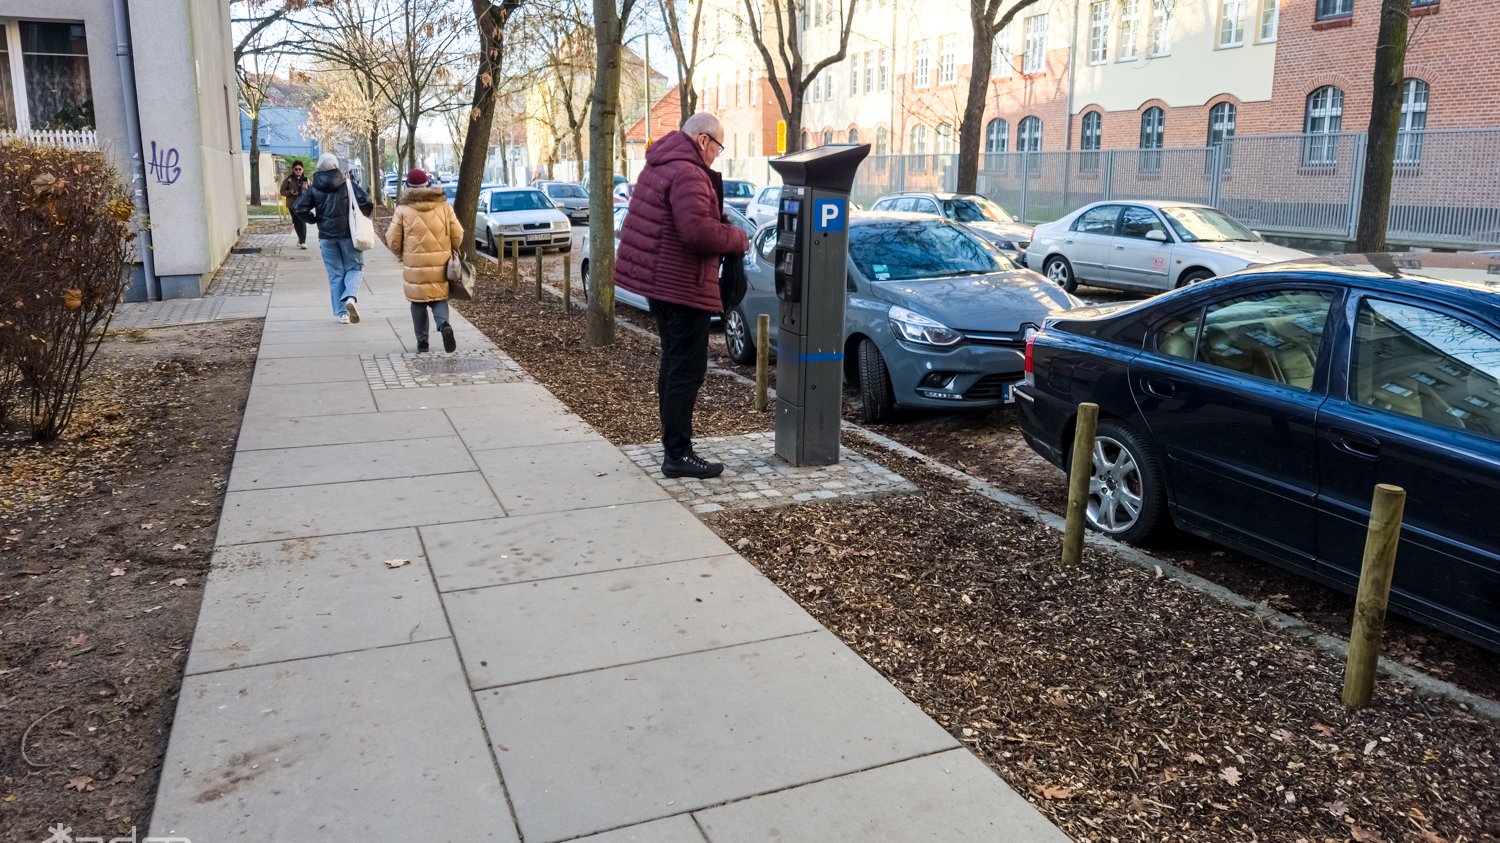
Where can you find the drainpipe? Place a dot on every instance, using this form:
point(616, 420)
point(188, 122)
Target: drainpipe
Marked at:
point(123, 53)
point(1072, 72)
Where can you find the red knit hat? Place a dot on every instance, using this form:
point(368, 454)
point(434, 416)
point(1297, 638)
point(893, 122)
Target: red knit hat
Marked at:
point(416, 178)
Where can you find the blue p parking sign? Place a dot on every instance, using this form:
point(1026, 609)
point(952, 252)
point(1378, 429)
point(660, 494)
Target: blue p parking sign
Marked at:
point(830, 215)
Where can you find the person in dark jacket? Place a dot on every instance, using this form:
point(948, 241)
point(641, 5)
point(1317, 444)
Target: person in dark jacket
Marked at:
point(326, 203)
point(670, 246)
point(293, 186)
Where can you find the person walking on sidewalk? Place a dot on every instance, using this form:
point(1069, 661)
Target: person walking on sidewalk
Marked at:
point(326, 203)
point(669, 252)
point(293, 186)
point(423, 234)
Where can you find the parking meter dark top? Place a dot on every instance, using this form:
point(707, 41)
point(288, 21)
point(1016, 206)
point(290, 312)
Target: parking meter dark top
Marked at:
point(674, 235)
point(812, 251)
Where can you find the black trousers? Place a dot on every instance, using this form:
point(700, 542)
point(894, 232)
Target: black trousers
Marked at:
point(684, 363)
point(301, 228)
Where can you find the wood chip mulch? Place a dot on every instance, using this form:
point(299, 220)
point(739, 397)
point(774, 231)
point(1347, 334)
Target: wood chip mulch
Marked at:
point(1123, 705)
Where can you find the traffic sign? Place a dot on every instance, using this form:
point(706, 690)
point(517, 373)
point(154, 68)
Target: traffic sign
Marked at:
point(780, 137)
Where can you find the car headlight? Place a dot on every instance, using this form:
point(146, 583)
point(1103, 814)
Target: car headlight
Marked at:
point(914, 327)
point(560, 224)
point(513, 229)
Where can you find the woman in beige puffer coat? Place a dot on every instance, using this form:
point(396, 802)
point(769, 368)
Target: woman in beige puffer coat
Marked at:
point(423, 234)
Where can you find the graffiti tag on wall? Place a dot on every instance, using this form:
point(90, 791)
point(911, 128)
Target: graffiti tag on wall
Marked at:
point(164, 164)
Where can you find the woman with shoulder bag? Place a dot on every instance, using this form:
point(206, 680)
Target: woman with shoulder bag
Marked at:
point(328, 203)
point(424, 234)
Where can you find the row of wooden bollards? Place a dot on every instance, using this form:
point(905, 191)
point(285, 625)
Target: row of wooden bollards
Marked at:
point(513, 251)
point(1376, 570)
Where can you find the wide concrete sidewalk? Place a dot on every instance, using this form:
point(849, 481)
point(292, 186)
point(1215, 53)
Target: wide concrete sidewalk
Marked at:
point(568, 655)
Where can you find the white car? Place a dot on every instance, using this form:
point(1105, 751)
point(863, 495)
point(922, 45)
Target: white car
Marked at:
point(623, 296)
point(1147, 246)
point(762, 209)
point(520, 214)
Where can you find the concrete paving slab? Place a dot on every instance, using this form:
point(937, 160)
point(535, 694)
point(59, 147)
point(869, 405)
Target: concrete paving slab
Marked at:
point(946, 797)
point(309, 370)
point(323, 311)
point(576, 475)
point(270, 514)
point(674, 830)
point(683, 733)
point(307, 399)
point(340, 747)
point(321, 349)
point(305, 431)
point(521, 424)
point(571, 625)
point(312, 597)
point(559, 544)
point(243, 307)
point(311, 466)
point(334, 340)
point(478, 395)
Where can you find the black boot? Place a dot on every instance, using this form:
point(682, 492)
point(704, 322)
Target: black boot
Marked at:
point(691, 465)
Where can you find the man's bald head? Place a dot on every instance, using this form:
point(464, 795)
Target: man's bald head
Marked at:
point(707, 134)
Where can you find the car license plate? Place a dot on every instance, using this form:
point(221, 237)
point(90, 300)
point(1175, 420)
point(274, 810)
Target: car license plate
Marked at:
point(534, 238)
point(1008, 393)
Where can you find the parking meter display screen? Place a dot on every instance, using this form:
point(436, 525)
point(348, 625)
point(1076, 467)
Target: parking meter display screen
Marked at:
point(791, 206)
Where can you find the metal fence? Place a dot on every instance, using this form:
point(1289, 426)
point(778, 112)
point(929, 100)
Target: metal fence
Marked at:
point(1445, 192)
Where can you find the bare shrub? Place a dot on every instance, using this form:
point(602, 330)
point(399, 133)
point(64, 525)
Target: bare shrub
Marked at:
point(66, 245)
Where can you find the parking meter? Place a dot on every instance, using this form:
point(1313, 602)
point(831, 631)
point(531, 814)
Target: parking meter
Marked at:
point(812, 247)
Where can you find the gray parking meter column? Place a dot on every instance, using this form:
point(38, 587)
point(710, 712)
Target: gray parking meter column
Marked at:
point(812, 251)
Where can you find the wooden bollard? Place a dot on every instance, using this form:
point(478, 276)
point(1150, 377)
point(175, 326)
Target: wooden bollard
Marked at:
point(1381, 540)
point(762, 361)
point(515, 262)
point(1078, 482)
point(567, 284)
point(538, 273)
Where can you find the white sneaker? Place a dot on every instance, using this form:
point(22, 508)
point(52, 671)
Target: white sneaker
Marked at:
point(353, 309)
point(344, 320)
point(302, 245)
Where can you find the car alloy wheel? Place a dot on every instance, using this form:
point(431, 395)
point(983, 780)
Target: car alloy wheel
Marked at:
point(1126, 495)
point(737, 338)
point(1060, 272)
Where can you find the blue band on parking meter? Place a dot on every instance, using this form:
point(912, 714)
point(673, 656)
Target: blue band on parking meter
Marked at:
point(830, 215)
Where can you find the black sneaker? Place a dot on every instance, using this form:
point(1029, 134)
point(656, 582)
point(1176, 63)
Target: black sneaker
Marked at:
point(449, 343)
point(691, 465)
point(421, 347)
point(353, 311)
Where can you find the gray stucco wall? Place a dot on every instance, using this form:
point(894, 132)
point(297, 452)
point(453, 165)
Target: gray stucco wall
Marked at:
point(184, 70)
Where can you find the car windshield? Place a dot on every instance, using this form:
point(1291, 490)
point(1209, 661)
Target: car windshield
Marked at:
point(974, 209)
point(906, 250)
point(565, 191)
point(1206, 225)
point(738, 190)
point(520, 200)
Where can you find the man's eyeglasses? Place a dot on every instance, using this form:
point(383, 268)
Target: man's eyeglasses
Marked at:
point(716, 141)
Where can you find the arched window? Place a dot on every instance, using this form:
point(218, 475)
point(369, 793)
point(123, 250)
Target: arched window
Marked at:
point(1153, 135)
point(806, 139)
point(1090, 141)
point(1325, 119)
point(918, 140)
point(1029, 135)
point(827, 136)
point(1413, 122)
point(854, 136)
point(996, 136)
point(1221, 130)
point(882, 146)
point(945, 139)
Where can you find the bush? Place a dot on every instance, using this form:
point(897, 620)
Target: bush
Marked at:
point(64, 253)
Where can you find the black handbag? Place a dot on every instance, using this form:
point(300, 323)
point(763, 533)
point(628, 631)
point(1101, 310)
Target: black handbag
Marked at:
point(732, 280)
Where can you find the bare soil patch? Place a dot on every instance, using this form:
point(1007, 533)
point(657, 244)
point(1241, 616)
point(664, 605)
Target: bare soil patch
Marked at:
point(1125, 706)
point(107, 536)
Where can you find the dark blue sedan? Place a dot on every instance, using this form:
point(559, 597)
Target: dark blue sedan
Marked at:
point(1260, 409)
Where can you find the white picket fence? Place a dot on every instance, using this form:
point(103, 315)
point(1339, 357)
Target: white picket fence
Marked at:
point(83, 140)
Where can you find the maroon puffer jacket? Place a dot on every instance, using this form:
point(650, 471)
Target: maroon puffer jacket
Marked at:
point(673, 237)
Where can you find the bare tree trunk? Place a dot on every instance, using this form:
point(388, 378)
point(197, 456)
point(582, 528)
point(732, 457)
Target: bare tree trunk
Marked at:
point(1385, 125)
point(255, 158)
point(491, 19)
point(377, 184)
point(604, 111)
point(971, 130)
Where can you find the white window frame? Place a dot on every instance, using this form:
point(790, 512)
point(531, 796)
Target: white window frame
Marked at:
point(1129, 45)
point(869, 71)
point(885, 69)
point(918, 139)
point(921, 66)
point(996, 134)
point(10, 29)
point(1409, 137)
point(947, 59)
point(1036, 45)
point(1099, 32)
point(1232, 23)
point(1161, 28)
point(738, 89)
point(1321, 145)
point(1024, 137)
point(1270, 20)
point(853, 74)
point(943, 145)
point(1002, 60)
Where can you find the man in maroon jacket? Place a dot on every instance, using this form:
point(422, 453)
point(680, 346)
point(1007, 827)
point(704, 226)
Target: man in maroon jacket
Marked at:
point(669, 252)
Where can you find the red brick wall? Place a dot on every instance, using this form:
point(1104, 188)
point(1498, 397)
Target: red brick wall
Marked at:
point(1013, 98)
point(1186, 126)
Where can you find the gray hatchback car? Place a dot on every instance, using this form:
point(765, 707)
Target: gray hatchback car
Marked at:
point(935, 317)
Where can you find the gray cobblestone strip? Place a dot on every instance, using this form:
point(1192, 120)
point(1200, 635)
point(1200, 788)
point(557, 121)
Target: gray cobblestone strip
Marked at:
point(249, 274)
point(409, 370)
point(755, 478)
point(160, 314)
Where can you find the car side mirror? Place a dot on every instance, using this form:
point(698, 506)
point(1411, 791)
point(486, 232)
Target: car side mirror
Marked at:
point(1156, 235)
